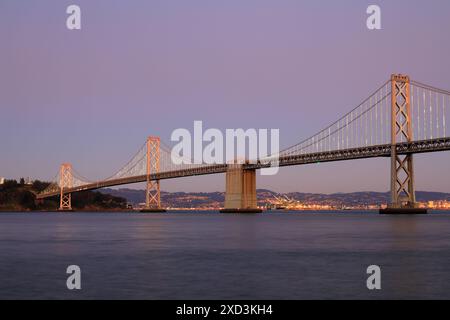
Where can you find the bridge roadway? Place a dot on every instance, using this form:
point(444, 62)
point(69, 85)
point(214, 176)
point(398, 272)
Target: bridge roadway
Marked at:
point(423, 146)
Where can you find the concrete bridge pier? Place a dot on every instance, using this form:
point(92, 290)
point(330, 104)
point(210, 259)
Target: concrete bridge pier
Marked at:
point(240, 195)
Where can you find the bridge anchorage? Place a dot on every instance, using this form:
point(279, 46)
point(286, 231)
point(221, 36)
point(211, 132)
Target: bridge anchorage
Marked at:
point(401, 118)
point(240, 192)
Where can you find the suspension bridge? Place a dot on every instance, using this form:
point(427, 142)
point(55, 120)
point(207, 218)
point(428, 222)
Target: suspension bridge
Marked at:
point(400, 118)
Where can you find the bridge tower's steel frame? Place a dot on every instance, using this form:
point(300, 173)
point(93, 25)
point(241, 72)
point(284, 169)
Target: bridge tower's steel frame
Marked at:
point(402, 169)
point(65, 182)
point(153, 192)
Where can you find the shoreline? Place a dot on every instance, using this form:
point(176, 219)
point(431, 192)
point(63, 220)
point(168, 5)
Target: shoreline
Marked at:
point(138, 211)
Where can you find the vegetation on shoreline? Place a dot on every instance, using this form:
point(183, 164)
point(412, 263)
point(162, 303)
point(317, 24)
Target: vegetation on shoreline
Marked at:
point(19, 196)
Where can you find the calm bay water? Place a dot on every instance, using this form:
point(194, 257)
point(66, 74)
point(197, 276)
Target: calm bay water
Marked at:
point(215, 256)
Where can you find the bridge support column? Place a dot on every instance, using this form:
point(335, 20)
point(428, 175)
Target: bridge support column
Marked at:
point(403, 198)
point(65, 182)
point(240, 195)
point(153, 191)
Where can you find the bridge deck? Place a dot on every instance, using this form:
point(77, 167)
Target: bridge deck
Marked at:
point(424, 146)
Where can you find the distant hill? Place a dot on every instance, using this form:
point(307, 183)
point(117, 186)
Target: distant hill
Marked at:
point(216, 199)
point(362, 198)
point(172, 199)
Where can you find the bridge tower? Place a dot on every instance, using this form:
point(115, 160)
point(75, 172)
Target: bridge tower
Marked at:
point(402, 166)
point(153, 192)
point(65, 182)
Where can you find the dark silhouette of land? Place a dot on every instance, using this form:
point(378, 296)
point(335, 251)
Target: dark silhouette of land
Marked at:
point(21, 196)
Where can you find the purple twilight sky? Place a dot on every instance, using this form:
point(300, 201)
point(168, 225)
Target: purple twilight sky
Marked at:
point(139, 68)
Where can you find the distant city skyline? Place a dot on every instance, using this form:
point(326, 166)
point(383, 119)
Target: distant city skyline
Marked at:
point(92, 96)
